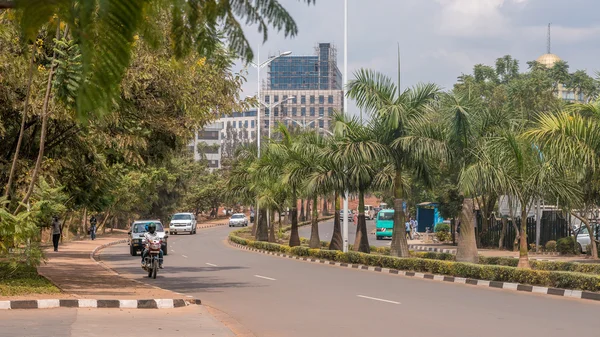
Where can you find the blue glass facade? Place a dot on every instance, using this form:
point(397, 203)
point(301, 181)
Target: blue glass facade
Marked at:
point(314, 72)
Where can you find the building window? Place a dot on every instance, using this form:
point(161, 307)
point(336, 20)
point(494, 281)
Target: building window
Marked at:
point(285, 122)
point(213, 163)
point(228, 124)
point(276, 98)
point(191, 149)
point(267, 98)
point(210, 149)
point(294, 100)
point(330, 111)
point(302, 111)
point(267, 112)
point(294, 111)
point(312, 110)
point(330, 99)
point(302, 99)
point(321, 99)
point(321, 123)
point(284, 98)
point(267, 123)
point(321, 111)
point(252, 124)
point(276, 112)
point(312, 99)
point(208, 135)
point(246, 124)
point(284, 111)
point(240, 124)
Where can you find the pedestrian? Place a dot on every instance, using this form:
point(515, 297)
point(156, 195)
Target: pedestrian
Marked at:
point(355, 218)
point(55, 232)
point(408, 233)
point(93, 228)
point(414, 226)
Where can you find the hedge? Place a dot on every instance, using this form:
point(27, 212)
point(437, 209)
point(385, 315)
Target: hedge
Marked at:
point(490, 272)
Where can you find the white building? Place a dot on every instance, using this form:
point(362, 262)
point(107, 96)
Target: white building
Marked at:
point(207, 144)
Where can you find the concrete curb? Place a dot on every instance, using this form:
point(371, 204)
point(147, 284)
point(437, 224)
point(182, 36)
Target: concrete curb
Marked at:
point(579, 294)
point(453, 251)
point(93, 303)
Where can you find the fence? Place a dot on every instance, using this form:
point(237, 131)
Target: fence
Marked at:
point(553, 226)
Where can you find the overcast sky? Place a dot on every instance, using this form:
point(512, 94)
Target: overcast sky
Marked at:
point(439, 39)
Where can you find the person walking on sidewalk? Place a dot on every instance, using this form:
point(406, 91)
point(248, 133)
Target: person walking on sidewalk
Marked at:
point(407, 227)
point(55, 232)
point(93, 228)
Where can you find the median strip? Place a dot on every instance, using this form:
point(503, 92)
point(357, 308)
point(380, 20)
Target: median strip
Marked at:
point(97, 303)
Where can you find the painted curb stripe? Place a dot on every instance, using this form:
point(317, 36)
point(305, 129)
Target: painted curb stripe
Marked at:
point(443, 278)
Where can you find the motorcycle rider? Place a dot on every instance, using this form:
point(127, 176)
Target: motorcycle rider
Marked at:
point(150, 235)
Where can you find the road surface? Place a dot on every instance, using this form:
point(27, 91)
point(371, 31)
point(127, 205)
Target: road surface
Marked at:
point(191, 321)
point(274, 296)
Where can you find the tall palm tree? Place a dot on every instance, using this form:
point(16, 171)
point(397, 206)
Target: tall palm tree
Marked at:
point(359, 152)
point(400, 114)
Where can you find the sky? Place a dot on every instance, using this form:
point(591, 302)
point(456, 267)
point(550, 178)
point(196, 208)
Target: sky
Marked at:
point(439, 39)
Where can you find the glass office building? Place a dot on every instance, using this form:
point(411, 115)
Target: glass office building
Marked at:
point(312, 72)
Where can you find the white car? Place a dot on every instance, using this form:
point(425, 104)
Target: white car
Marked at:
point(238, 219)
point(136, 235)
point(350, 215)
point(583, 237)
point(183, 223)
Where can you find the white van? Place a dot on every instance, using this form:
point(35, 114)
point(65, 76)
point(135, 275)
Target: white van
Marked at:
point(369, 212)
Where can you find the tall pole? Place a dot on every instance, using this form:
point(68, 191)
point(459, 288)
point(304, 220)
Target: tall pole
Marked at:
point(345, 226)
point(257, 214)
point(538, 225)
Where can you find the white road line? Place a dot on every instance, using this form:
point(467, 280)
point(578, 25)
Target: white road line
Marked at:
point(378, 299)
point(184, 256)
point(266, 278)
point(210, 264)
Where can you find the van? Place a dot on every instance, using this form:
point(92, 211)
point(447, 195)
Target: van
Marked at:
point(369, 212)
point(384, 224)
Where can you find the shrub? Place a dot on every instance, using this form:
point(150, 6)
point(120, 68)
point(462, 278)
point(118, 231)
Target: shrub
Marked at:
point(566, 245)
point(442, 232)
point(551, 246)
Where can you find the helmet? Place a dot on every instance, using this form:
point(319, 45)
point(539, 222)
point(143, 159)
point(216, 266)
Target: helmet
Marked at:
point(152, 227)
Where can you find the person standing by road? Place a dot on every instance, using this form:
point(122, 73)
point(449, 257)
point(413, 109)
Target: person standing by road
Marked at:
point(55, 232)
point(414, 226)
point(93, 228)
point(408, 233)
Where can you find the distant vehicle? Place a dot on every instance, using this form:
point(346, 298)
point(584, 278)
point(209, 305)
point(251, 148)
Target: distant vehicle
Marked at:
point(350, 215)
point(238, 219)
point(383, 205)
point(384, 224)
point(369, 212)
point(183, 223)
point(136, 235)
point(583, 237)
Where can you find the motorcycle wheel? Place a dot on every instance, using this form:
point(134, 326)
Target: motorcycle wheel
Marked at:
point(154, 268)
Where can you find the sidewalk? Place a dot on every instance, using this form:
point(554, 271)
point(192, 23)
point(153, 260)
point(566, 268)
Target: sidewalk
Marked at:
point(73, 271)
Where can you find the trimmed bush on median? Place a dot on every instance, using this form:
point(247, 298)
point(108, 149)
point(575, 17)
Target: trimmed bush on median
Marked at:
point(490, 272)
point(23, 280)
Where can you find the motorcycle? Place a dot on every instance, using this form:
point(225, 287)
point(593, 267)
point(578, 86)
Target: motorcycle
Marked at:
point(151, 261)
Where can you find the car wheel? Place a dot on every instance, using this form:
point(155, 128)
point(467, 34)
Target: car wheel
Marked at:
point(132, 251)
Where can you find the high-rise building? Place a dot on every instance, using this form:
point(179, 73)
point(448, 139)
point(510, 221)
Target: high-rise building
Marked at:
point(303, 91)
point(207, 145)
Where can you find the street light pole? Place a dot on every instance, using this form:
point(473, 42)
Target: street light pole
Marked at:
point(271, 107)
point(345, 227)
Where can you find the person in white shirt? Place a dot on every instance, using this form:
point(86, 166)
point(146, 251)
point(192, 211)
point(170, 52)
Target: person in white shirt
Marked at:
point(150, 235)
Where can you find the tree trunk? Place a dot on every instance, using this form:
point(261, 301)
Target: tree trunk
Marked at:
point(294, 237)
point(336, 239)
point(103, 224)
point(114, 222)
point(309, 207)
point(23, 119)
point(503, 233)
point(466, 250)
point(523, 249)
point(38, 163)
point(315, 241)
point(262, 231)
point(83, 231)
point(302, 216)
point(361, 242)
point(272, 229)
point(325, 211)
point(399, 246)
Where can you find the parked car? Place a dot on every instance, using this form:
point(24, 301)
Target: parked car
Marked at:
point(350, 215)
point(136, 235)
point(183, 223)
point(583, 237)
point(238, 219)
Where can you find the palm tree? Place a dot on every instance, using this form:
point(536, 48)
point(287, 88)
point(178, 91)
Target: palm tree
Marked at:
point(400, 114)
point(570, 139)
point(359, 152)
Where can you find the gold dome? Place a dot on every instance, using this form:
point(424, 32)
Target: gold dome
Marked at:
point(548, 60)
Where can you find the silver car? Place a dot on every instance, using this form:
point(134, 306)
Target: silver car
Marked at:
point(583, 237)
point(183, 223)
point(238, 219)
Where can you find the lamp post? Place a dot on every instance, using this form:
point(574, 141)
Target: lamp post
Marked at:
point(271, 107)
point(345, 223)
point(304, 125)
point(258, 67)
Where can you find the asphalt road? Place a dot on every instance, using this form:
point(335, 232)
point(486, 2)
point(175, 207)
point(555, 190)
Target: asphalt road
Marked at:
point(274, 296)
point(191, 321)
point(326, 231)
